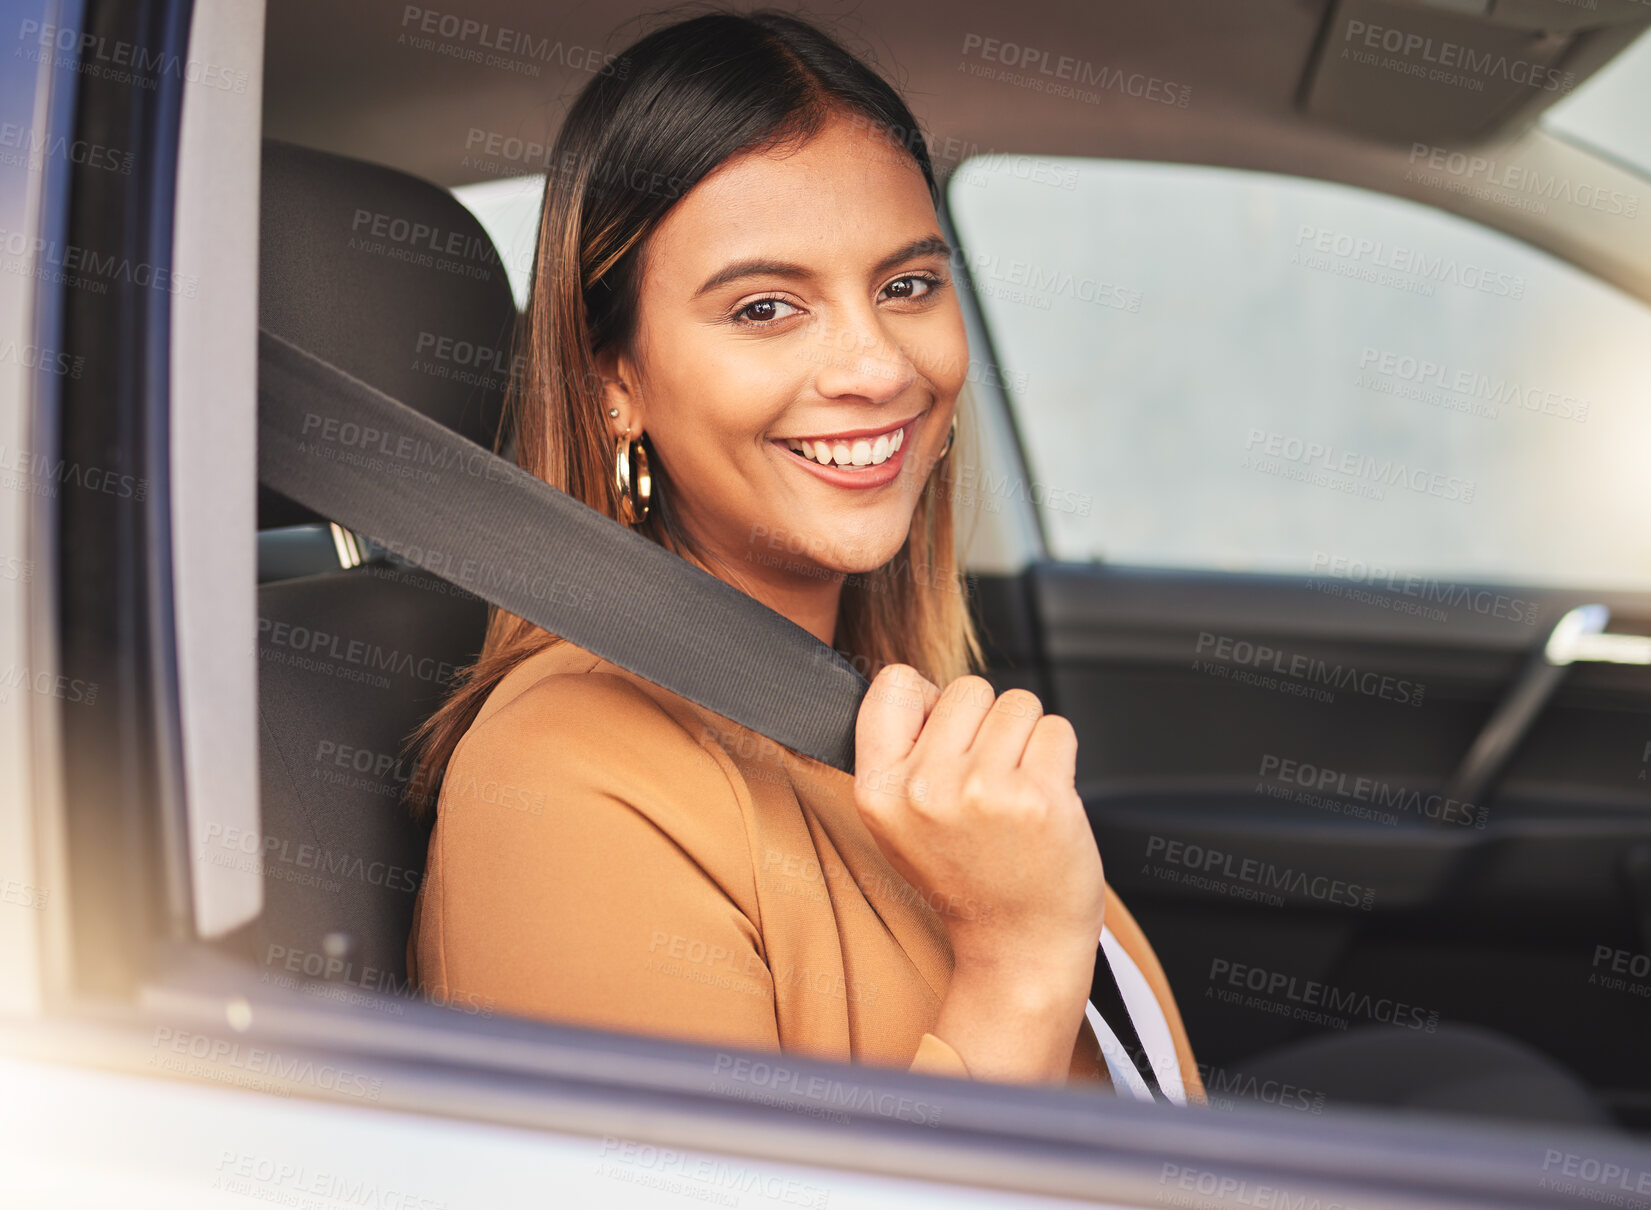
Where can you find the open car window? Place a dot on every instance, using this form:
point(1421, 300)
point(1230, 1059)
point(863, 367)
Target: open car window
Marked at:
point(1304, 457)
point(1380, 387)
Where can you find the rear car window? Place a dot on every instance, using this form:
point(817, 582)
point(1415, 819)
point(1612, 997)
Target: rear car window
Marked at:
point(1243, 371)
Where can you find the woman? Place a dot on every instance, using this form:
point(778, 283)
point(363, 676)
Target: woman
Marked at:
point(743, 300)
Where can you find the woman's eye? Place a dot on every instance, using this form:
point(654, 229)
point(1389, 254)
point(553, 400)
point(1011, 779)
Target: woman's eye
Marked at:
point(914, 286)
point(763, 311)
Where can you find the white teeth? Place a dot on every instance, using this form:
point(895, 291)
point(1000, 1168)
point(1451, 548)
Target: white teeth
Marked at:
point(861, 452)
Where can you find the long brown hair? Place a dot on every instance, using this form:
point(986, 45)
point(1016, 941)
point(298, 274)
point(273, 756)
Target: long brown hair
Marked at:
point(672, 108)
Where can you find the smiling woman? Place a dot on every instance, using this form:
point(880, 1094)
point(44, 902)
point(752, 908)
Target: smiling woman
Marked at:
point(742, 339)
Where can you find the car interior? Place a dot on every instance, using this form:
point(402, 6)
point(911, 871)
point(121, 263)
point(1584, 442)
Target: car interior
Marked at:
point(1489, 932)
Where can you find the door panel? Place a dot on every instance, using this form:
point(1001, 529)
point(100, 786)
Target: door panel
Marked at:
point(1264, 765)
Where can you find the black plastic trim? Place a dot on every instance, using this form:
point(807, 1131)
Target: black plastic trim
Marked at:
point(122, 749)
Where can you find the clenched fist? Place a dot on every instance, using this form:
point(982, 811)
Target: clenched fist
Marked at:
point(971, 796)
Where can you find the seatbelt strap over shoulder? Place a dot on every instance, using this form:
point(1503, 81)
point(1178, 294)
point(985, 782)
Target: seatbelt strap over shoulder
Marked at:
point(438, 500)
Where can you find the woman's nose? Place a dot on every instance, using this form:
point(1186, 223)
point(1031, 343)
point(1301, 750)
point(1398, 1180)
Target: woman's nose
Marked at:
point(860, 360)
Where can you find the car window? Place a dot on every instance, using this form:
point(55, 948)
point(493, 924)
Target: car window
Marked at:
point(1244, 371)
point(508, 210)
point(1608, 112)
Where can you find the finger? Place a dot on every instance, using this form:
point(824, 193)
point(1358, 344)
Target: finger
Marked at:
point(1051, 754)
point(1007, 727)
point(890, 720)
point(956, 717)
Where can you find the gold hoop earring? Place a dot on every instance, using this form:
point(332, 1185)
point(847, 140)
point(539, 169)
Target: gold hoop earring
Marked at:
point(636, 486)
point(951, 436)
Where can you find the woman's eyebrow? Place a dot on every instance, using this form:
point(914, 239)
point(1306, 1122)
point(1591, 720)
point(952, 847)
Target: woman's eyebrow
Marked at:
point(927, 245)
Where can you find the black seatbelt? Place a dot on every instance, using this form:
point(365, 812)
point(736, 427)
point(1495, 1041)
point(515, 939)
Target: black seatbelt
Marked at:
point(438, 500)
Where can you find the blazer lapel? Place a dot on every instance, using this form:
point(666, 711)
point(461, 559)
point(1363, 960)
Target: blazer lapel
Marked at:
point(828, 795)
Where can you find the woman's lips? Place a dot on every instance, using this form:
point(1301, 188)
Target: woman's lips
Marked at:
point(865, 476)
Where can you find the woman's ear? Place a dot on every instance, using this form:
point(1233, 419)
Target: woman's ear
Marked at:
point(622, 408)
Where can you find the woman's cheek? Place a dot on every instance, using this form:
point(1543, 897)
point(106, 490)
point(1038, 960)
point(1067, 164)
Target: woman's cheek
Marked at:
point(940, 351)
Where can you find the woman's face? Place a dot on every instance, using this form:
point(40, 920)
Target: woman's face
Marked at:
point(800, 297)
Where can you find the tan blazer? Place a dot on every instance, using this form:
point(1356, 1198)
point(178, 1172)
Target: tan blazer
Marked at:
point(609, 854)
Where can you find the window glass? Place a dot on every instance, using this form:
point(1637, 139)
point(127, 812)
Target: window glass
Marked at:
point(1243, 371)
point(508, 211)
point(1608, 112)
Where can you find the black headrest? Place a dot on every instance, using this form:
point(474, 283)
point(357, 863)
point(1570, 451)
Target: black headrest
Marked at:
point(391, 279)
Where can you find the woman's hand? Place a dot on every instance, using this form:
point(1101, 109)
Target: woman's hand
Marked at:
point(971, 796)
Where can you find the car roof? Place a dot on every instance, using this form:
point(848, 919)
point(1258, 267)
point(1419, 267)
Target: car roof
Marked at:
point(1268, 86)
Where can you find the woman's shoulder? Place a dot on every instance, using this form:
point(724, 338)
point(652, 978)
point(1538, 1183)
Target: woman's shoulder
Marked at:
point(583, 811)
point(565, 723)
